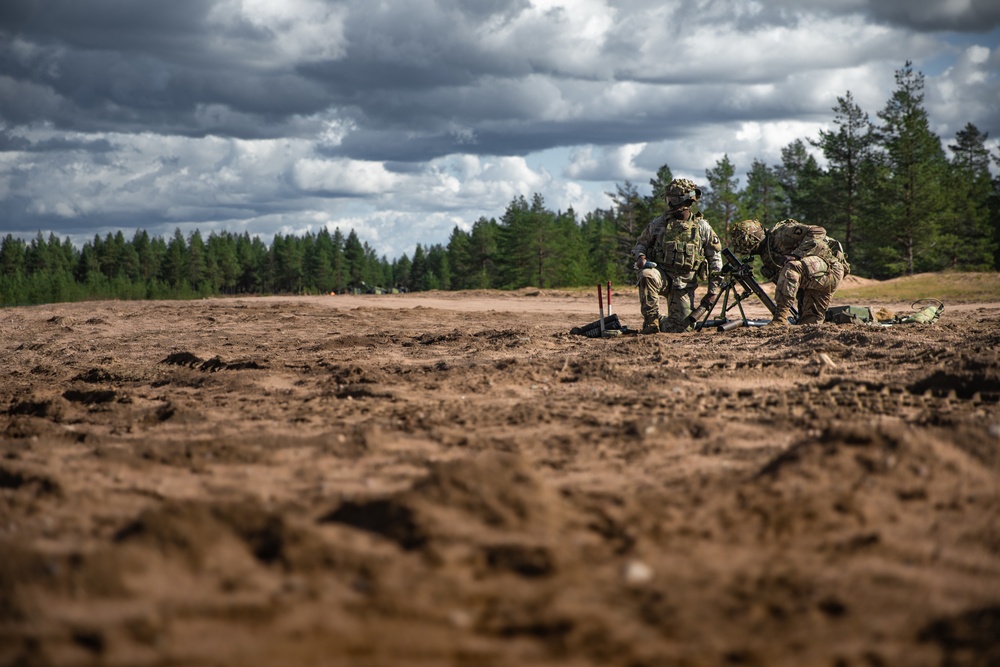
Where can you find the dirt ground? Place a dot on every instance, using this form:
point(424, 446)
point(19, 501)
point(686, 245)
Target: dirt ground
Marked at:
point(455, 479)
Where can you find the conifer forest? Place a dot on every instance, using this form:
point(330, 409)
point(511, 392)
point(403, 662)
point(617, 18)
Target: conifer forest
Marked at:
point(900, 198)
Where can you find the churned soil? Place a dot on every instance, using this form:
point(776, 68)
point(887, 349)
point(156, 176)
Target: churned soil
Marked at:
point(455, 479)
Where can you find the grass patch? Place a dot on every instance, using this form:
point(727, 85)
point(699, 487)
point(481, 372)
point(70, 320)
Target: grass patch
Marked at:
point(951, 287)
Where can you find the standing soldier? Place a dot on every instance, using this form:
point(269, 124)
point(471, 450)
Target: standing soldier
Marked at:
point(672, 253)
point(805, 264)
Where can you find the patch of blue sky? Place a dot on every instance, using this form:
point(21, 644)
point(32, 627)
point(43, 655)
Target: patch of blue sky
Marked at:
point(958, 43)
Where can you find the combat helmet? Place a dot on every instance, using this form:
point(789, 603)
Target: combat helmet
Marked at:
point(746, 236)
point(681, 192)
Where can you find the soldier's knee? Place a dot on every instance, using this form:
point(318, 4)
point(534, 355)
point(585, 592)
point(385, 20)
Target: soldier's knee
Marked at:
point(792, 267)
point(650, 278)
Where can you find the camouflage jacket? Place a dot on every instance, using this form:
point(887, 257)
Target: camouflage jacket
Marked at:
point(708, 254)
point(790, 239)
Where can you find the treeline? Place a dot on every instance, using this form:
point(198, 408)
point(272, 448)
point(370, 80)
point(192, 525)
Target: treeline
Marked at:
point(889, 192)
point(530, 245)
point(144, 267)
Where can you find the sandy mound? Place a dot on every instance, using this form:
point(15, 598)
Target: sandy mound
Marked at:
point(851, 280)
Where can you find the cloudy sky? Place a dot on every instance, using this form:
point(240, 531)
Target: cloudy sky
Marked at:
point(404, 118)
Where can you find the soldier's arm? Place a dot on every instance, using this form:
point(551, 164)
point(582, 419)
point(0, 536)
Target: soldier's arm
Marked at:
point(768, 269)
point(643, 243)
point(771, 256)
point(712, 247)
point(713, 255)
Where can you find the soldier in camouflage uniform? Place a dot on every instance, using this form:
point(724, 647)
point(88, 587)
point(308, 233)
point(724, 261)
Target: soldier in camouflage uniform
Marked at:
point(805, 264)
point(671, 254)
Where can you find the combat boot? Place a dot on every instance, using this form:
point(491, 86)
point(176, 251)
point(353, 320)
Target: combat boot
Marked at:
point(780, 318)
point(651, 324)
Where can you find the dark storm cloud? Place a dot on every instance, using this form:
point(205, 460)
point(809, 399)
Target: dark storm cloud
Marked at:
point(108, 89)
point(174, 27)
point(407, 76)
point(11, 142)
point(976, 16)
point(504, 139)
point(114, 65)
point(152, 66)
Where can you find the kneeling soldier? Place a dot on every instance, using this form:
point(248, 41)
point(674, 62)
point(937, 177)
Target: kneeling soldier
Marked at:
point(805, 264)
point(673, 251)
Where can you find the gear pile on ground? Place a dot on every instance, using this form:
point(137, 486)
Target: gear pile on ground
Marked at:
point(403, 480)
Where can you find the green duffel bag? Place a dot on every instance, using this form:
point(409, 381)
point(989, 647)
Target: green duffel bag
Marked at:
point(850, 315)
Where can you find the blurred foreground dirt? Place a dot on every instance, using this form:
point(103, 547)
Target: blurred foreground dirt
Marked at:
point(454, 479)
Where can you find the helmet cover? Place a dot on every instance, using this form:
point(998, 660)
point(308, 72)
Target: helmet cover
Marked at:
point(746, 236)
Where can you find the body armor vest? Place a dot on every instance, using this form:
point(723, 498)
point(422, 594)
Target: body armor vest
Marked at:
point(680, 247)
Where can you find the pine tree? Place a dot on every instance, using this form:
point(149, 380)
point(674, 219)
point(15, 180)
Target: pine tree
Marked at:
point(763, 198)
point(12, 261)
point(12, 288)
point(802, 183)
point(721, 198)
point(401, 272)
point(516, 261)
point(286, 263)
point(569, 252)
point(173, 271)
point(968, 219)
point(849, 153)
point(148, 261)
point(599, 231)
point(438, 274)
point(354, 261)
point(912, 203)
point(36, 256)
point(631, 217)
point(418, 270)
point(484, 252)
point(338, 262)
point(994, 208)
point(657, 202)
point(544, 243)
point(196, 266)
point(319, 262)
point(128, 258)
point(222, 253)
point(373, 272)
point(460, 260)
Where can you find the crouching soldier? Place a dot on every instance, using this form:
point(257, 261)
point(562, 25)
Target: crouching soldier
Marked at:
point(671, 254)
point(805, 264)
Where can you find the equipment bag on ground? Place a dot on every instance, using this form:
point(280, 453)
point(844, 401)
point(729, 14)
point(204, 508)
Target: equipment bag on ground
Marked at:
point(593, 330)
point(850, 315)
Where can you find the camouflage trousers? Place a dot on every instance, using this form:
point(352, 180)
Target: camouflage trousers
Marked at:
point(680, 300)
point(810, 280)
